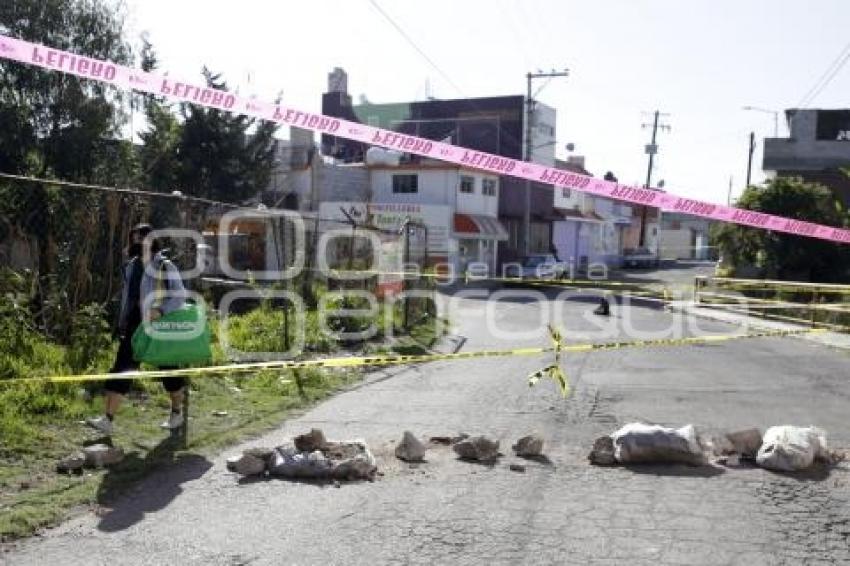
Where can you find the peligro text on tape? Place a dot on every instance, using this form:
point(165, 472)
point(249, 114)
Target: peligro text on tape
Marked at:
point(129, 78)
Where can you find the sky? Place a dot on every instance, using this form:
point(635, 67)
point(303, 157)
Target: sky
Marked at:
point(699, 61)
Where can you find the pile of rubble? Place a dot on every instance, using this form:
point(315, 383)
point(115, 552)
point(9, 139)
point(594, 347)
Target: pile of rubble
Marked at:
point(469, 448)
point(782, 448)
point(94, 456)
point(310, 456)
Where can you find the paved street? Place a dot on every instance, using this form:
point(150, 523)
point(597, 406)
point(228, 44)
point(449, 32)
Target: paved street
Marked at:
point(561, 510)
point(676, 275)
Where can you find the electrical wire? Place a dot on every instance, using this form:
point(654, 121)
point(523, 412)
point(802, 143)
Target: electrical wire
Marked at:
point(416, 47)
point(826, 77)
point(175, 196)
point(72, 185)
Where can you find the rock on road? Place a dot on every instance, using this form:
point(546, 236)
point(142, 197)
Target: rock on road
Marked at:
point(560, 510)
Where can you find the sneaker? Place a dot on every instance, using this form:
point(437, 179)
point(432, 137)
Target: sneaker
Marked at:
point(174, 421)
point(101, 423)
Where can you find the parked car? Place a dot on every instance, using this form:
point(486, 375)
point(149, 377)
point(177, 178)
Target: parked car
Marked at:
point(538, 266)
point(639, 257)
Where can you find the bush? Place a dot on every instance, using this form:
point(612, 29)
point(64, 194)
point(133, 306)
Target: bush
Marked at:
point(778, 255)
point(260, 330)
point(91, 343)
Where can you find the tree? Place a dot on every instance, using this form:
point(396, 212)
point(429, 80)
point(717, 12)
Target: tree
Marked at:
point(223, 156)
point(785, 256)
point(58, 125)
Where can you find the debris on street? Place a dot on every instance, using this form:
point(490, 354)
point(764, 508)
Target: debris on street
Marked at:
point(530, 446)
point(410, 449)
point(782, 448)
point(745, 443)
point(477, 448)
point(100, 455)
point(517, 468)
point(71, 463)
point(640, 443)
point(604, 308)
point(791, 448)
point(602, 453)
point(246, 465)
point(311, 441)
point(310, 456)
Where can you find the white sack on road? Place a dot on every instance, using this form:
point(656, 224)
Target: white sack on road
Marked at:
point(639, 443)
point(790, 448)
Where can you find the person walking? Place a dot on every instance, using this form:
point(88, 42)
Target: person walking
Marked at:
point(146, 270)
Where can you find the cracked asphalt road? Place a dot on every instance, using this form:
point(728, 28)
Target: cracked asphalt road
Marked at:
point(560, 510)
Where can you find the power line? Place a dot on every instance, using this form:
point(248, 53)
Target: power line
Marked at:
point(415, 46)
point(71, 185)
point(176, 195)
point(829, 79)
point(826, 77)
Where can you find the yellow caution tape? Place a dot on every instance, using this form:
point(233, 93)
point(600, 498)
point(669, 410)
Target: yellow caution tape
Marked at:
point(686, 341)
point(770, 284)
point(343, 362)
point(467, 278)
point(553, 372)
point(387, 360)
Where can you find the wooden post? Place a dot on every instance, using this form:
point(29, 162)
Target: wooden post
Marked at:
point(184, 430)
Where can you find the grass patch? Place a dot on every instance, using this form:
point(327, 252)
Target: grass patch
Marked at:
point(39, 422)
point(33, 495)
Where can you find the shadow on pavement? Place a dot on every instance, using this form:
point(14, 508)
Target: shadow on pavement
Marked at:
point(315, 482)
point(676, 470)
point(819, 471)
point(542, 459)
point(152, 495)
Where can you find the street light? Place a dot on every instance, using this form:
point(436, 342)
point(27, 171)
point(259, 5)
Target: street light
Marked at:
point(767, 111)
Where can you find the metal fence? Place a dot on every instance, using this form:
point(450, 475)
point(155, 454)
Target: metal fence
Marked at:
point(814, 304)
point(62, 246)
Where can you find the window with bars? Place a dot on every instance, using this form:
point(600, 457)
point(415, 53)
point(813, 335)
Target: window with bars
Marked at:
point(488, 187)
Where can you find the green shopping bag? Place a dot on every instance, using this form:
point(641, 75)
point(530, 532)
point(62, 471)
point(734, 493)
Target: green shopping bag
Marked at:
point(181, 337)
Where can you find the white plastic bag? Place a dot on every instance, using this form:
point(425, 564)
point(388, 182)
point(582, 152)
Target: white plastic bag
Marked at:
point(641, 443)
point(790, 448)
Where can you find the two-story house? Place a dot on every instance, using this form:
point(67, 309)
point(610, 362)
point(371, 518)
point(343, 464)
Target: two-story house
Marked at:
point(491, 124)
point(459, 206)
point(591, 228)
point(817, 149)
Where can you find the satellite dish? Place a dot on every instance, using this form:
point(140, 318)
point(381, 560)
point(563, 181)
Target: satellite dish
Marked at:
point(571, 146)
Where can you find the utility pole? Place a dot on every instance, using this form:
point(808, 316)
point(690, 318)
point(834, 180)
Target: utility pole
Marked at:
point(529, 113)
point(729, 194)
point(651, 150)
point(750, 158)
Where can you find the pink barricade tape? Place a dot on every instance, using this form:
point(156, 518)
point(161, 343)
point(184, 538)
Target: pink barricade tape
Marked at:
point(129, 78)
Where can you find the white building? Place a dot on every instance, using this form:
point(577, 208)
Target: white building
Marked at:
point(592, 227)
point(458, 205)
